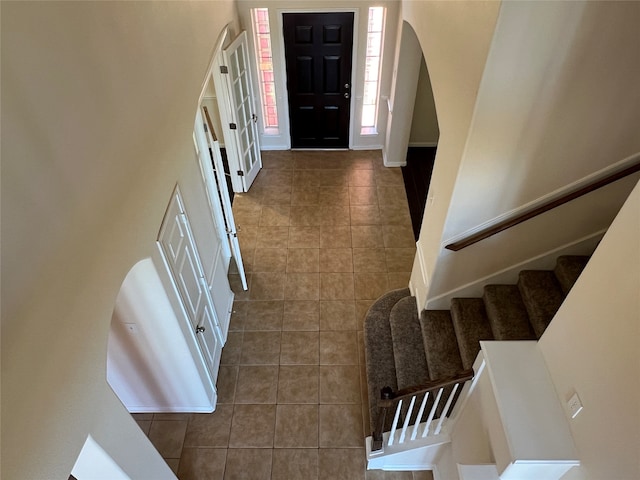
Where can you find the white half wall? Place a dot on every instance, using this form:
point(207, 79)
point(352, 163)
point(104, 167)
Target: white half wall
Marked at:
point(94, 463)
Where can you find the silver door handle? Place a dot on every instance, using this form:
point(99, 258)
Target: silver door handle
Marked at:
point(346, 95)
point(346, 85)
point(254, 117)
point(200, 329)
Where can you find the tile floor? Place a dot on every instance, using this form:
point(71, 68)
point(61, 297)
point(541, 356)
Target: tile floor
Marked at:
point(323, 234)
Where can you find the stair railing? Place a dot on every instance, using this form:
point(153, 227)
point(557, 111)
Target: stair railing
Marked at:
point(545, 207)
point(431, 392)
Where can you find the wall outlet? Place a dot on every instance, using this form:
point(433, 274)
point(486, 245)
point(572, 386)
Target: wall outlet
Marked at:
point(132, 328)
point(575, 405)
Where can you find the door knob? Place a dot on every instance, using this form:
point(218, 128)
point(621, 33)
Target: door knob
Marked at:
point(200, 329)
point(346, 85)
point(346, 95)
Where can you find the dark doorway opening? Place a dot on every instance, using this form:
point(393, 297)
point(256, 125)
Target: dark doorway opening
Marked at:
point(227, 172)
point(417, 176)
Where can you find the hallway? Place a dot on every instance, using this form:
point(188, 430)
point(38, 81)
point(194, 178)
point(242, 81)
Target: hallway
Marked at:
point(323, 234)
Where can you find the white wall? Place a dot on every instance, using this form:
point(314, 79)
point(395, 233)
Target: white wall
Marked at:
point(406, 71)
point(149, 363)
point(455, 39)
point(558, 102)
point(591, 348)
point(94, 463)
point(424, 124)
point(97, 114)
point(358, 141)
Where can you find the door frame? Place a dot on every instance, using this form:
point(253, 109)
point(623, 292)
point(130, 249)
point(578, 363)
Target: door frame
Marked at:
point(283, 67)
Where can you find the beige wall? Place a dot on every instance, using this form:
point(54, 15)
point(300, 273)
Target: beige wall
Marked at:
point(558, 102)
point(455, 38)
point(98, 110)
point(424, 125)
point(591, 348)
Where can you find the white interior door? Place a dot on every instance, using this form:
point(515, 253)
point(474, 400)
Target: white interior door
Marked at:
point(180, 251)
point(243, 122)
point(225, 199)
point(209, 336)
point(179, 246)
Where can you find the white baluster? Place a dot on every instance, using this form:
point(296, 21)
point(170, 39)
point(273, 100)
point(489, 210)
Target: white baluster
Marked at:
point(416, 425)
point(406, 420)
point(394, 425)
point(446, 409)
point(432, 413)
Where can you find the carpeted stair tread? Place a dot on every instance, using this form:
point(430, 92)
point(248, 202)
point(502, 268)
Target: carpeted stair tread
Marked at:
point(408, 347)
point(440, 344)
point(507, 314)
point(568, 269)
point(542, 297)
point(380, 362)
point(405, 349)
point(471, 325)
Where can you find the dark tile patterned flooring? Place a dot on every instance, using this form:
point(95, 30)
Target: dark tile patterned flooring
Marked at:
point(323, 234)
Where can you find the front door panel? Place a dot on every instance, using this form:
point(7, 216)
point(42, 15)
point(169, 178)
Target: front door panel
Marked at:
point(318, 51)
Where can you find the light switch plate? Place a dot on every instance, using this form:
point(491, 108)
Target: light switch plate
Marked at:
point(575, 405)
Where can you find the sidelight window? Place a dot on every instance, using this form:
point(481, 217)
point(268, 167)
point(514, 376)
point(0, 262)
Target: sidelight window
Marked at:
point(264, 60)
point(375, 34)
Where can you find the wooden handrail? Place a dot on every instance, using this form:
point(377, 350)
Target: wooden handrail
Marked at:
point(210, 123)
point(389, 398)
point(426, 387)
point(545, 207)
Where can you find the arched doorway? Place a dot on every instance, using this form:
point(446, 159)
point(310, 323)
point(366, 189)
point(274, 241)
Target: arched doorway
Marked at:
point(412, 128)
point(150, 365)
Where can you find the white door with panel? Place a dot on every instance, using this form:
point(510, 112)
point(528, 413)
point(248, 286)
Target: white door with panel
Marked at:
point(214, 173)
point(181, 253)
point(243, 126)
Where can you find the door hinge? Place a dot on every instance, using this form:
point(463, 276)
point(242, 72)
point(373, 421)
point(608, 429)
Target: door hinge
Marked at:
point(233, 126)
point(205, 127)
point(224, 69)
point(240, 173)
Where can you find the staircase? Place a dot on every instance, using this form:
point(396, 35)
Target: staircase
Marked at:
point(408, 352)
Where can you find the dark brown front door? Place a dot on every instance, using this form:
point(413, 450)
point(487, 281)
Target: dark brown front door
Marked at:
point(318, 48)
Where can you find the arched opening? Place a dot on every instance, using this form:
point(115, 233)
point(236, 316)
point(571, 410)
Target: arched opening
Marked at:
point(149, 364)
point(412, 131)
point(421, 152)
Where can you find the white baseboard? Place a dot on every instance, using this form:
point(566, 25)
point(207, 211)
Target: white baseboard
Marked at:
point(366, 147)
point(169, 409)
point(274, 147)
point(509, 276)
